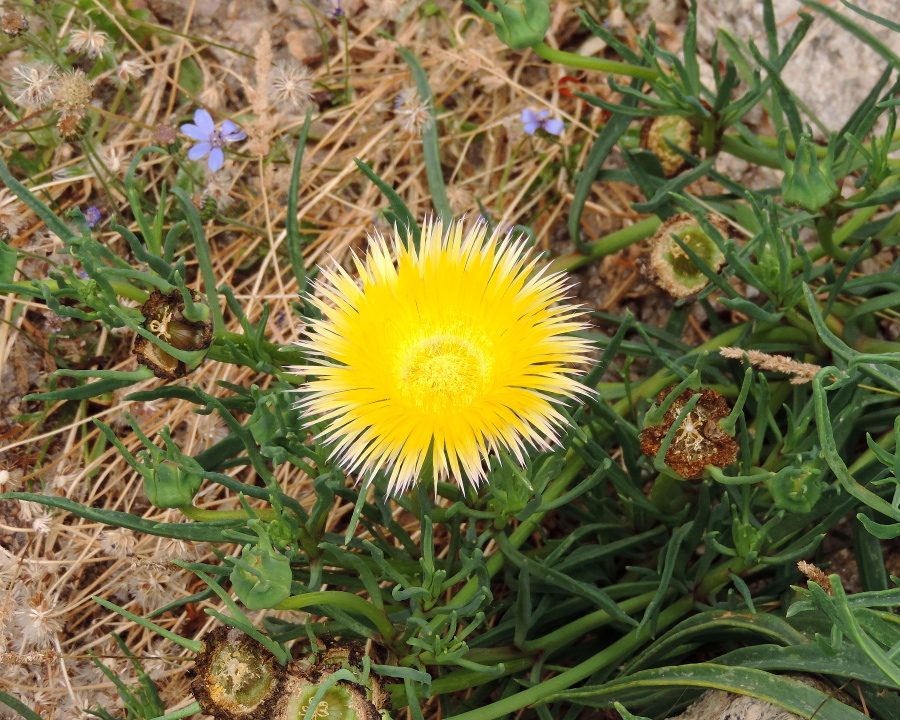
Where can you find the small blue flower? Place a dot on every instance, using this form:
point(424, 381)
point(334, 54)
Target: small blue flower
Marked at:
point(334, 9)
point(210, 139)
point(541, 120)
point(92, 216)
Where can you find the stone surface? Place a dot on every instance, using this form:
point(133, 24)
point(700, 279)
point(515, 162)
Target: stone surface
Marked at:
point(832, 71)
point(719, 705)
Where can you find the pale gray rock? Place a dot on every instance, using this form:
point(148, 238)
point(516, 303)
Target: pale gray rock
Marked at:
point(832, 71)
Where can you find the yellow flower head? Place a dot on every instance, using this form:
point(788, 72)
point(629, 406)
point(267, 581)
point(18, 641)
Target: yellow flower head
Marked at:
point(457, 348)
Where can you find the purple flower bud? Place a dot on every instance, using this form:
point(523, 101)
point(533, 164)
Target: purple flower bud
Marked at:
point(92, 216)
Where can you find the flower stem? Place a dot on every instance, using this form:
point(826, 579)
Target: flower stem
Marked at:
point(609, 657)
point(607, 245)
point(200, 515)
point(591, 63)
point(577, 629)
point(345, 601)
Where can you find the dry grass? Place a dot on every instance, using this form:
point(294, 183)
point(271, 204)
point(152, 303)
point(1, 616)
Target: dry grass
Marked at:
point(52, 563)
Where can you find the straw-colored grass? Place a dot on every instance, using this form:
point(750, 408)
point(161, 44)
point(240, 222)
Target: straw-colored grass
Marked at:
point(52, 563)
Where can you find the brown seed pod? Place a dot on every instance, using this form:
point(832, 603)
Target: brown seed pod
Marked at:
point(343, 700)
point(656, 131)
point(699, 441)
point(163, 316)
point(237, 678)
point(671, 268)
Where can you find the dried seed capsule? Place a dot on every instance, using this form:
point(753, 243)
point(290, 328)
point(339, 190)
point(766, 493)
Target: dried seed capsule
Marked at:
point(670, 266)
point(344, 700)
point(237, 678)
point(698, 441)
point(656, 131)
point(163, 316)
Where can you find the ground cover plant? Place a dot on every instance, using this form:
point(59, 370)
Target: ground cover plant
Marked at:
point(625, 433)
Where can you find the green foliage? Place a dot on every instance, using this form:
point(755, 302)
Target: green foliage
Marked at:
point(593, 576)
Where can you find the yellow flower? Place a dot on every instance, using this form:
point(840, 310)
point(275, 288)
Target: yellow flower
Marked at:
point(458, 349)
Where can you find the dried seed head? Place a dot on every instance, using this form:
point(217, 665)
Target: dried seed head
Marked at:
point(38, 622)
point(14, 23)
point(130, 69)
point(34, 85)
point(411, 111)
point(670, 266)
point(460, 198)
point(658, 132)
point(290, 84)
point(237, 678)
point(87, 41)
point(69, 123)
point(698, 441)
point(12, 212)
point(72, 92)
point(165, 134)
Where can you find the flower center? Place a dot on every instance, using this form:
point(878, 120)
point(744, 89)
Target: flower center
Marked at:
point(442, 373)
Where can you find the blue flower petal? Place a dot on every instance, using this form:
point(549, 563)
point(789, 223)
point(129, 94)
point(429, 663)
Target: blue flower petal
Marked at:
point(216, 159)
point(528, 118)
point(530, 127)
point(199, 150)
point(554, 127)
point(543, 114)
point(194, 133)
point(204, 121)
point(229, 128)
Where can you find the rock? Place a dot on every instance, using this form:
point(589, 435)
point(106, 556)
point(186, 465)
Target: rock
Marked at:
point(832, 70)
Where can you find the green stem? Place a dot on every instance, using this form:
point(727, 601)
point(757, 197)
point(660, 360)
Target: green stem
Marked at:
point(191, 709)
point(607, 245)
point(609, 657)
point(720, 576)
point(574, 464)
point(465, 679)
point(195, 646)
point(200, 515)
point(345, 601)
point(591, 63)
point(825, 231)
point(654, 384)
point(577, 629)
point(285, 354)
point(121, 289)
point(736, 146)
